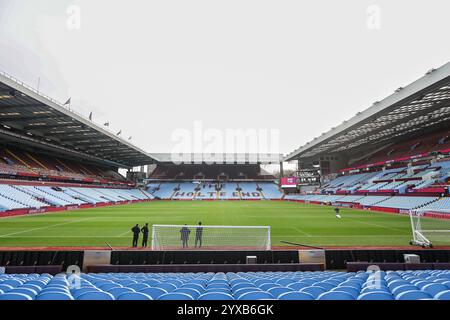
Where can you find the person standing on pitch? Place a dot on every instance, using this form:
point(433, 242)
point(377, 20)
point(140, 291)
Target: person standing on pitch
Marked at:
point(144, 231)
point(136, 231)
point(185, 236)
point(336, 210)
point(199, 235)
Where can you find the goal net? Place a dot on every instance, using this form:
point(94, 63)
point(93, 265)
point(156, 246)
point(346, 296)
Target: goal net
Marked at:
point(196, 237)
point(430, 227)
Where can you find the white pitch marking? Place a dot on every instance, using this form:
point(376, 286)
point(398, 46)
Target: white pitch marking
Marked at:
point(46, 227)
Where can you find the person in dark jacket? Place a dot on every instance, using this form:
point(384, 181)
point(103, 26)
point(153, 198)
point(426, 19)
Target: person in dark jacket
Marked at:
point(199, 235)
point(144, 231)
point(136, 231)
point(185, 236)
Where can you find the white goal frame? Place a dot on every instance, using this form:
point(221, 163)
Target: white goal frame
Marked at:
point(158, 243)
point(419, 235)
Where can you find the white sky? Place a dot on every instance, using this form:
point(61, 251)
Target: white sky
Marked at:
point(152, 67)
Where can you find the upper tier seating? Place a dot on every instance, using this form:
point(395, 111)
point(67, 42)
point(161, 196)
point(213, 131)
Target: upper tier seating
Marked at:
point(22, 163)
point(326, 285)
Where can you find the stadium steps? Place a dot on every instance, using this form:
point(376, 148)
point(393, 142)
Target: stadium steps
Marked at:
point(71, 192)
point(58, 197)
point(431, 202)
point(45, 201)
point(239, 187)
point(37, 196)
point(263, 197)
point(173, 191)
point(145, 195)
point(13, 200)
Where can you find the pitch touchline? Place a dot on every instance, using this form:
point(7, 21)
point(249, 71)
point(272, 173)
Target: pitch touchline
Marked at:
point(46, 227)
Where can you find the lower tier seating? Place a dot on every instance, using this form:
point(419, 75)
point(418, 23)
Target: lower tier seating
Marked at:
point(325, 285)
point(25, 196)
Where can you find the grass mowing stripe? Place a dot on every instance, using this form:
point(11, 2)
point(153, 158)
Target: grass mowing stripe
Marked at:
point(46, 227)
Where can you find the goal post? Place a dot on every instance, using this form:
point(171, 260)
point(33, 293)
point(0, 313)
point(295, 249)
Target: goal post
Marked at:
point(430, 227)
point(203, 237)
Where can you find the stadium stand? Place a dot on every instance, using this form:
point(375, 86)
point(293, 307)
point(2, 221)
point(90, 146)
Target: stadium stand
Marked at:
point(248, 191)
point(324, 285)
point(27, 196)
point(215, 190)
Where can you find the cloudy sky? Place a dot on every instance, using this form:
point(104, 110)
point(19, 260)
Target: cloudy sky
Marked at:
point(151, 68)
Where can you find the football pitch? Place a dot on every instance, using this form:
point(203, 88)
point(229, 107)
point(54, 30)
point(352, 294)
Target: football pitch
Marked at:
point(292, 222)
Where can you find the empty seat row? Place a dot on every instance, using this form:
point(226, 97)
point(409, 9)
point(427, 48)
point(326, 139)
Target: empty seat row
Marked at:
point(325, 285)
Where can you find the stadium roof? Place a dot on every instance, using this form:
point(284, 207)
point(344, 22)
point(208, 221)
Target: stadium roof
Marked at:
point(421, 105)
point(30, 118)
point(218, 158)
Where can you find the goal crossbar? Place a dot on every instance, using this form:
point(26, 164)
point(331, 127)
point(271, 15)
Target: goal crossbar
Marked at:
point(207, 237)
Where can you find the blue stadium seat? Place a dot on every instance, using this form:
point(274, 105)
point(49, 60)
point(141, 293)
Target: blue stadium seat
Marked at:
point(218, 290)
point(155, 293)
point(5, 287)
point(14, 296)
point(350, 290)
point(118, 291)
point(54, 296)
point(296, 296)
point(215, 296)
point(151, 282)
point(324, 285)
point(78, 292)
point(276, 292)
point(413, 295)
point(444, 295)
point(242, 291)
point(336, 295)
point(314, 291)
point(396, 291)
point(376, 295)
point(434, 288)
point(268, 286)
point(54, 289)
point(27, 291)
point(175, 296)
point(13, 283)
point(133, 296)
point(166, 286)
point(297, 286)
point(138, 286)
point(95, 295)
point(192, 292)
point(285, 282)
point(256, 295)
point(107, 286)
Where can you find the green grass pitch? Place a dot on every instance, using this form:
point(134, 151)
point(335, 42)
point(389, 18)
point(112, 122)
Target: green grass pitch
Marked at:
point(289, 221)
